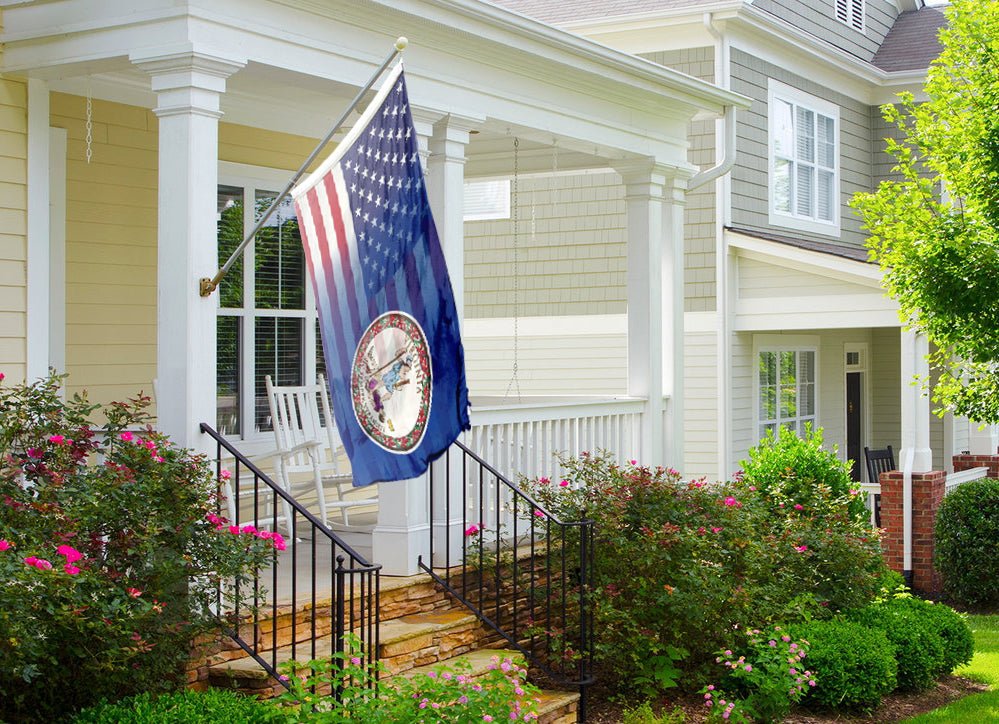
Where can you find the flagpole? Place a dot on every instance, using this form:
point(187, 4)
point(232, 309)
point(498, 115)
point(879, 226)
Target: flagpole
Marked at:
point(206, 285)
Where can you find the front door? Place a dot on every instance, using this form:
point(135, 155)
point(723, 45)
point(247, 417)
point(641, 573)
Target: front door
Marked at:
point(853, 424)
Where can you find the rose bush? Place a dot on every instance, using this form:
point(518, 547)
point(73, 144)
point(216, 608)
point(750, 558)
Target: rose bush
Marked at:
point(112, 553)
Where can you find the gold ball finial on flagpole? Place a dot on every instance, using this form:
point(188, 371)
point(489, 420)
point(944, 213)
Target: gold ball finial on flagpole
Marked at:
point(401, 42)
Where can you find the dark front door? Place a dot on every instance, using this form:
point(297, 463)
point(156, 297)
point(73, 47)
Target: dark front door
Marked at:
point(853, 418)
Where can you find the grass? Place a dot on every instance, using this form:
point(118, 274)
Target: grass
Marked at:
point(984, 667)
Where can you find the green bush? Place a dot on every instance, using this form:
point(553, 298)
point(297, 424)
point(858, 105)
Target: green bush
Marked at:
point(680, 566)
point(110, 553)
point(967, 543)
point(788, 470)
point(953, 630)
point(919, 647)
point(214, 706)
point(854, 665)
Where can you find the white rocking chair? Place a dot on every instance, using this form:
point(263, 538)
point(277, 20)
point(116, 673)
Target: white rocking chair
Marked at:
point(308, 444)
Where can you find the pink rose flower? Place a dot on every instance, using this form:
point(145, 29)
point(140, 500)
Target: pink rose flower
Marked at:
point(801, 549)
point(730, 501)
point(133, 592)
point(799, 506)
point(56, 439)
point(126, 436)
point(563, 483)
point(472, 529)
point(4, 545)
point(71, 569)
point(225, 474)
point(70, 553)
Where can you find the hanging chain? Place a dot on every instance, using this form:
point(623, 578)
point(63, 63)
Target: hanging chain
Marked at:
point(514, 379)
point(90, 123)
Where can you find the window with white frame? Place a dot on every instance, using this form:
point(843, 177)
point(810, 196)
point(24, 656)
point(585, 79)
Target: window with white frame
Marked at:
point(804, 160)
point(786, 390)
point(266, 318)
point(851, 12)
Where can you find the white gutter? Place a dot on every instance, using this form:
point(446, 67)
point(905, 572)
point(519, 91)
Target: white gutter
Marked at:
point(728, 159)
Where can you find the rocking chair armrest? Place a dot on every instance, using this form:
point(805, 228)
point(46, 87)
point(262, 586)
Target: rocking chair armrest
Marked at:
point(307, 446)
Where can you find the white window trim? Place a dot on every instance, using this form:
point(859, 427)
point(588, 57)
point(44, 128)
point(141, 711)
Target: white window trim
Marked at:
point(255, 178)
point(776, 89)
point(784, 343)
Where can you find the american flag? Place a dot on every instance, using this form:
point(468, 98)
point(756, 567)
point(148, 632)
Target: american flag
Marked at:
point(386, 310)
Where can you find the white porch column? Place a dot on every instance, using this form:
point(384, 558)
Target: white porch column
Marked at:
point(402, 534)
point(38, 325)
point(446, 189)
point(982, 440)
point(188, 86)
point(654, 195)
point(915, 454)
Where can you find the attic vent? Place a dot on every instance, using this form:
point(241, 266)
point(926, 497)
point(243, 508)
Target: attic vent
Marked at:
point(851, 12)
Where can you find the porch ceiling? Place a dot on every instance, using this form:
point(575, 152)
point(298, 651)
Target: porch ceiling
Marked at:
point(304, 60)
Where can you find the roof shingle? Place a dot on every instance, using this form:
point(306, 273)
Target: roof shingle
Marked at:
point(912, 42)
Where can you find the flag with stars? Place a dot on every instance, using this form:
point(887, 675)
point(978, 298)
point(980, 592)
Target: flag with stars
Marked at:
point(386, 310)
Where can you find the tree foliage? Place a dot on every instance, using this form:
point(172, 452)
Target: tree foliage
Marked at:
point(935, 227)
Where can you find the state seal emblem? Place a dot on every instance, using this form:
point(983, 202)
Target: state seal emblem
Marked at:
point(390, 384)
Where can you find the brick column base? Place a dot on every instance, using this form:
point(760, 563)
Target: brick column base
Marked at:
point(927, 493)
point(966, 462)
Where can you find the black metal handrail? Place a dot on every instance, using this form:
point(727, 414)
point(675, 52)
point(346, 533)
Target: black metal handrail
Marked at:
point(352, 605)
point(519, 568)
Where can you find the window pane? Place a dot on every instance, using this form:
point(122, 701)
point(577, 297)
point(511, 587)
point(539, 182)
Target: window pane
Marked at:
point(783, 125)
point(280, 260)
point(768, 403)
point(806, 400)
point(768, 368)
point(805, 132)
point(806, 366)
point(805, 190)
point(826, 195)
point(227, 376)
point(278, 348)
point(788, 401)
point(230, 233)
point(827, 142)
point(783, 173)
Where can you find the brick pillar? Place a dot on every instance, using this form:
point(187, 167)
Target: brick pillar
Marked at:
point(966, 462)
point(927, 493)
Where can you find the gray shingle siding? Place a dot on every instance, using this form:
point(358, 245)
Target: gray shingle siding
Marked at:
point(700, 211)
point(818, 18)
point(750, 188)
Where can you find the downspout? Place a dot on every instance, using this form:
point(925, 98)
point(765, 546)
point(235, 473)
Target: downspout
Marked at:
point(725, 139)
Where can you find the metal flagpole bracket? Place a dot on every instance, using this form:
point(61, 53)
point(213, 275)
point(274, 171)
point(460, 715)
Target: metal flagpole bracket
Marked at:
point(208, 285)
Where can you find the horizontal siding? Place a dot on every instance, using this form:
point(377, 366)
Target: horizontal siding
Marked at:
point(819, 19)
point(886, 388)
point(700, 414)
point(14, 224)
point(559, 364)
point(743, 368)
point(257, 147)
point(111, 212)
point(750, 189)
point(883, 163)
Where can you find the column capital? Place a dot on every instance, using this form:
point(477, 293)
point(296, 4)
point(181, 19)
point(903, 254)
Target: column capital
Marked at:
point(186, 80)
point(648, 178)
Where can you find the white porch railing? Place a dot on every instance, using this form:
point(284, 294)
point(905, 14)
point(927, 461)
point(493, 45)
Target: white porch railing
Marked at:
point(956, 479)
point(523, 438)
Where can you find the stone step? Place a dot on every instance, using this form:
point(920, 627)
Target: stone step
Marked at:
point(558, 707)
point(480, 661)
point(405, 643)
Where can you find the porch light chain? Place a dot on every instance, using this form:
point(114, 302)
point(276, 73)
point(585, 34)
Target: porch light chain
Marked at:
point(514, 379)
point(90, 123)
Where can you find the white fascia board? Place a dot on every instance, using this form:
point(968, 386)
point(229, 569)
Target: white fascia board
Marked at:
point(827, 319)
point(805, 260)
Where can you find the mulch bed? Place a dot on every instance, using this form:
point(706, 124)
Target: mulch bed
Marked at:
point(895, 707)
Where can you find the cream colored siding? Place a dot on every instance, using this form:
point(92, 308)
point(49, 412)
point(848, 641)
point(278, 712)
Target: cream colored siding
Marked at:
point(13, 223)
point(700, 418)
point(759, 280)
point(110, 248)
point(743, 395)
point(572, 254)
point(886, 389)
point(574, 363)
point(256, 147)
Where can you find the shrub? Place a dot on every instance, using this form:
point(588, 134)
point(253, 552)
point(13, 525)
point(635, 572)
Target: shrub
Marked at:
point(953, 630)
point(855, 665)
point(764, 682)
point(967, 543)
point(919, 648)
point(788, 470)
point(678, 563)
point(214, 706)
point(110, 553)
